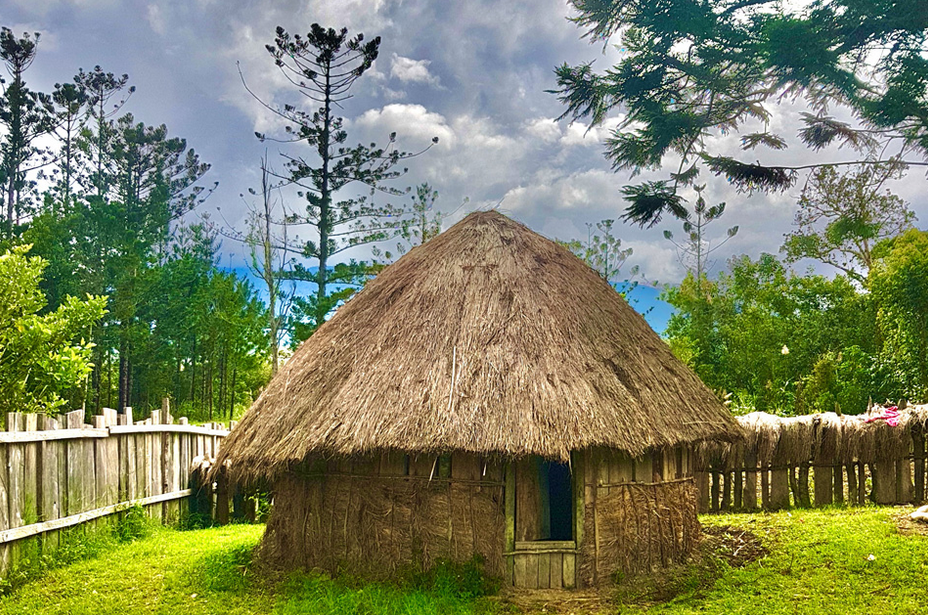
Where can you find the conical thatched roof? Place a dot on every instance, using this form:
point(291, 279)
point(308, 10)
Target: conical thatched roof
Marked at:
point(489, 339)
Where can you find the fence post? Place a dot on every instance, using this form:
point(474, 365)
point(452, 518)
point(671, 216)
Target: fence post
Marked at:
point(779, 488)
point(918, 456)
point(883, 473)
point(852, 494)
point(714, 490)
point(749, 498)
point(702, 486)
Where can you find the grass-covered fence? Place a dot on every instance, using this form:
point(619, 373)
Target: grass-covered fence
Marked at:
point(816, 460)
point(58, 473)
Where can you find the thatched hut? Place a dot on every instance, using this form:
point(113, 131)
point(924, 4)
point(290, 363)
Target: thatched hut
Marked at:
point(487, 394)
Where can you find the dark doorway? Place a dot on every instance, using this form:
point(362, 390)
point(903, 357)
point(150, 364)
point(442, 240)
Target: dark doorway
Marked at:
point(559, 500)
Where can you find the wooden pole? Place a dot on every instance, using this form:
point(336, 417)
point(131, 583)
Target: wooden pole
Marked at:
point(714, 491)
point(779, 489)
point(861, 483)
point(739, 490)
point(702, 489)
point(749, 498)
point(884, 482)
point(918, 458)
point(510, 504)
point(765, 488)
point(823, 478)
point(726, 491)
point(804, 485)
point(852, 494)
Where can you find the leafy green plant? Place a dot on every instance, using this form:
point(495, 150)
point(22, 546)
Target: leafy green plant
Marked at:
point(132, 524)
point(42, 356)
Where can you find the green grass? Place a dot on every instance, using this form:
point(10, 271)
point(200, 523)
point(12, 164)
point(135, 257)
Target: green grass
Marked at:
point(206, 572)
point(818, 562)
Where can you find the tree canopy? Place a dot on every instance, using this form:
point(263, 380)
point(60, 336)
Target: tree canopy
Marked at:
point(693, 70)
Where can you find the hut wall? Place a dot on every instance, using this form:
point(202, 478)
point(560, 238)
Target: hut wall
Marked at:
point(639, 514)
point(377, 514)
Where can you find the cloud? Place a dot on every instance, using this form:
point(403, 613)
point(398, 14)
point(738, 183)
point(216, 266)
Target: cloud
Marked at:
point(408, 70)
point(156, 19)
point(544, 128)
point(412, 123)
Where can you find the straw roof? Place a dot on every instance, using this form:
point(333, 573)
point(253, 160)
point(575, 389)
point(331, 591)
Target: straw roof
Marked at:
point(488, 339)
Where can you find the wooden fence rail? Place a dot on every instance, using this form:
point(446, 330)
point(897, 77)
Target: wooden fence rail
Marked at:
point(56, 473)
point(816, 460)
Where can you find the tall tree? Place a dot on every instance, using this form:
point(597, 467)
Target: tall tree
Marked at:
point(693, 70)
point(25, 115)
point(70, 101)
point(101, 89)
point(695, 249)
point(842, 216)
point(204, 340)
point(324, 66)
point(155, 182)
point(420, 223)
point(268, 256)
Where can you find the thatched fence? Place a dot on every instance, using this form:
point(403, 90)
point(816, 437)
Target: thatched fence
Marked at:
point(59, 473)
point(816, 460)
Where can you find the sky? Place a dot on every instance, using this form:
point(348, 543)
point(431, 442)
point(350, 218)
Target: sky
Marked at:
point(473, 73)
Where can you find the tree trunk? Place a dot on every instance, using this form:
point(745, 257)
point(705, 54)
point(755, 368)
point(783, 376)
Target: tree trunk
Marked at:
point(123, 396)
point(232, 395)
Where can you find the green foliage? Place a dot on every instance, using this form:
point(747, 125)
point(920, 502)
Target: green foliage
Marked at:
point(343, 280)
point(418, 224)
point(845, 381)
point(820, 561)
point(43, 357)
point(694, 70)
point(211, 571)
point(205, 344)
point(602, 251)
point(73, 545)
point(109, 223)
point(132, 524)
point(899, 284)
point(462, 580)
point(760, 330)
point(694, 251)
point(842, 216)
point(25, 117)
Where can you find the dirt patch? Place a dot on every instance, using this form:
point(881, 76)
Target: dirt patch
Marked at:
point(561, 601)
point(909, 527)
point(737, 546)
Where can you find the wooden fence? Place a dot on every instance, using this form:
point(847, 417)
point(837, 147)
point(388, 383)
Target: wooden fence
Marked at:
point(816, 460)
point(56, 473)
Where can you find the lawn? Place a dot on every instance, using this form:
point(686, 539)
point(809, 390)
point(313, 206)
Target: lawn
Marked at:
point(842, 561)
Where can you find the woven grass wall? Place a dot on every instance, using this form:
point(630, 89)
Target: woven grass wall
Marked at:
point(639, 514)
point(374, 515)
